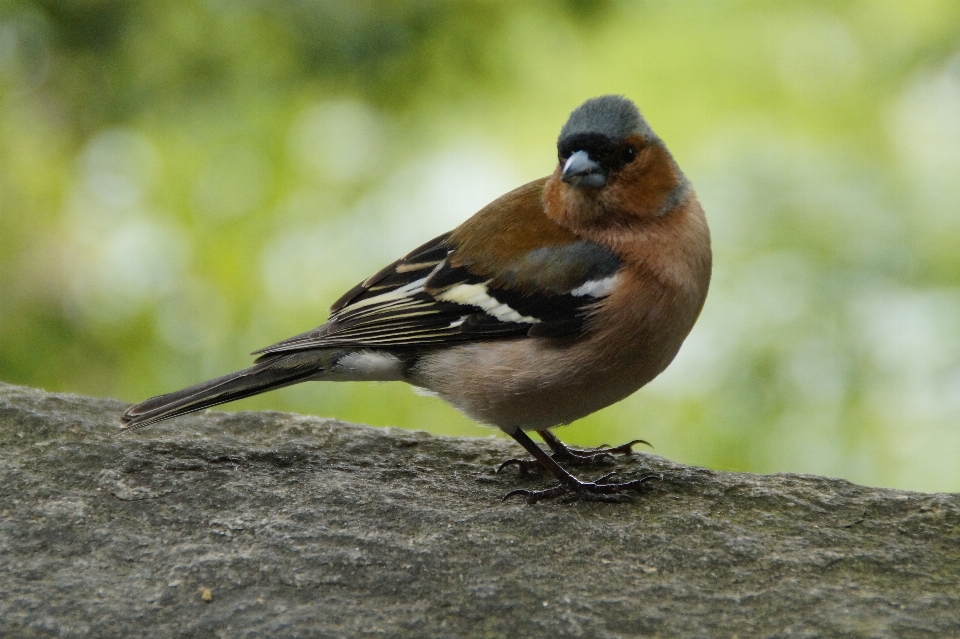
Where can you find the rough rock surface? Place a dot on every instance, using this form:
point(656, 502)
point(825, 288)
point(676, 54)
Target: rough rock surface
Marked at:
point(277, 525)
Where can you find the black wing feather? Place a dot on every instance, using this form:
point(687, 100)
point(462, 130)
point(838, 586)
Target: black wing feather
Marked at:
point(403, 305)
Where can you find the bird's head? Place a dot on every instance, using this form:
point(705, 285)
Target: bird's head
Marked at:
point(611, 164)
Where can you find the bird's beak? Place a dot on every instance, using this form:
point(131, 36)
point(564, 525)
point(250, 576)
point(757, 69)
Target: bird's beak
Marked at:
point(580, 170)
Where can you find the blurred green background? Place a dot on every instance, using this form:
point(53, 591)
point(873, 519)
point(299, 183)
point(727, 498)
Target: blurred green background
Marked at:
point(183, 181)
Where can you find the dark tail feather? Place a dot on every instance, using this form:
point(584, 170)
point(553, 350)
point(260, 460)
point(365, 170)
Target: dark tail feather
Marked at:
point(260, 378)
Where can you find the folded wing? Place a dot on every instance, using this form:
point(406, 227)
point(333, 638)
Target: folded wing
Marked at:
point(446, 292)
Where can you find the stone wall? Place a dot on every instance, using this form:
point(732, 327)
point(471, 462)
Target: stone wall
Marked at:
point(278, 525)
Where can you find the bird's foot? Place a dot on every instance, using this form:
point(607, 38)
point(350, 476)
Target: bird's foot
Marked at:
point(599, 490)
point(584, 456)
point(572, 456)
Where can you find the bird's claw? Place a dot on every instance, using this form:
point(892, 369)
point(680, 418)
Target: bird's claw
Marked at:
point(625, 449)
point(599, 490)
point(533, 496)
point(525, 466)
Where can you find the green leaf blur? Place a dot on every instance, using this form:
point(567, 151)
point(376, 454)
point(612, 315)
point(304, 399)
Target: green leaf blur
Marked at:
point(182, 182)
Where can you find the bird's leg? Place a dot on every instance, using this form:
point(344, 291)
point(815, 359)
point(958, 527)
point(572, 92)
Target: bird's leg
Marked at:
point(599, 490)
point(572, 456)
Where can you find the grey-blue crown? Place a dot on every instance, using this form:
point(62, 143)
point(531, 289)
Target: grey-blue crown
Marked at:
point(612, 116)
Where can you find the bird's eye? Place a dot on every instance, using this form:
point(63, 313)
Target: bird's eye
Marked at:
point(628, 154)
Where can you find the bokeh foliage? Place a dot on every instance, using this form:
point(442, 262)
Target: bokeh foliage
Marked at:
point(182, 182)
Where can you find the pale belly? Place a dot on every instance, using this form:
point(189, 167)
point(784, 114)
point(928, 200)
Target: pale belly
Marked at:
point(533, 384)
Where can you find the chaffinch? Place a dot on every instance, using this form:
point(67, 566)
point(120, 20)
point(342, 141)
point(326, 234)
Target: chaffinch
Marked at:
point(555, 300)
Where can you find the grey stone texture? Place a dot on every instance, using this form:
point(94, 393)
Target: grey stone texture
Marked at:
point(277, 525)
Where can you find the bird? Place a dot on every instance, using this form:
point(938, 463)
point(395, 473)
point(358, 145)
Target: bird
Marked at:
point(555, 300)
